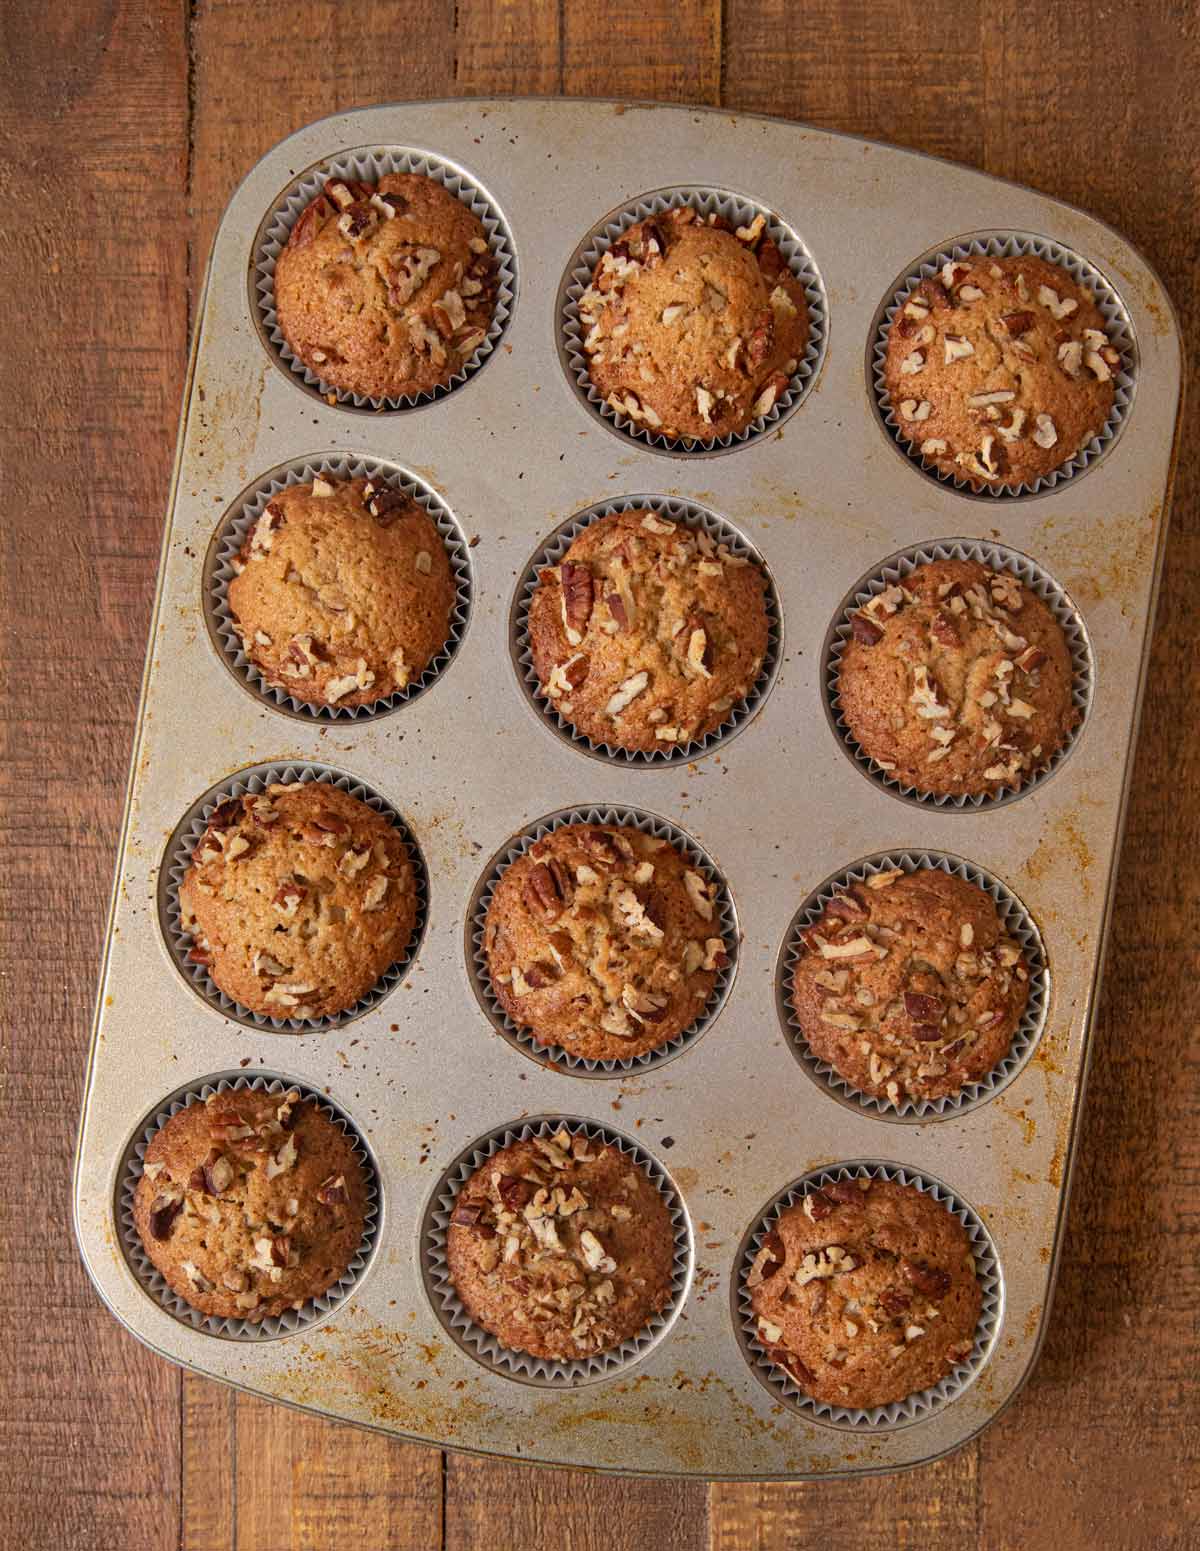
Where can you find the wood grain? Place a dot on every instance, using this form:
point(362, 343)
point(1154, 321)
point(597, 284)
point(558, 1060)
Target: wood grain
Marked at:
point(164, 105)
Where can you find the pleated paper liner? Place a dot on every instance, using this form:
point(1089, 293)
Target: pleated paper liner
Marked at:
point(177, 859)
point(292, 1321)
point(220, 569)
point(368, 165)
point(725, 923)
point(925, 1403)
point(999, 558)
point(1017, 922)
point(480, 1344)
point(1008, 245)
point(689, 514)
point(741, 211)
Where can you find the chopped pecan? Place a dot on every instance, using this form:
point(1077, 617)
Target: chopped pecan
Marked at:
point(332, 1191)
point(943, 630)
point(547, 890)
point(865, 630)
point(514, 1192)
point(225, 813)
point(927, 1281)
point(578, 590)
point(923, 1009)
point(163, 1212)
point(1016, 323)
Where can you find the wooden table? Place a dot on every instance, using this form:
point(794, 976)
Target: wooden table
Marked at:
point(124, 125)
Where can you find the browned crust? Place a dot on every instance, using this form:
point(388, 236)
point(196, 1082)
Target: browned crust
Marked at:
point(950, 636)
point(598, 941)
point(910, 1269)
point(690, 328)
point(647, 596)
point(257, 1245)
point(910, 988)
point(298, 900)
point(548, 1292)
point(946, 347)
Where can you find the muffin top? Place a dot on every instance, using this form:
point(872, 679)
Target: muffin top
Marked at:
point(385, 289)
point(909, 986)
point(561, 1247)
point(298, 899)
point(999, 370)
point(866, 1292)
point(603, 940)
point(343, 591)
point(250, 1203)
point(648, 633)
point(957, 680)
point(693, 329)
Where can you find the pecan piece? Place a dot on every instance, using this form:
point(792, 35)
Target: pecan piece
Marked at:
point(943, 630)
point(923, 1009)
point(893, 1302)
point(578, 591)
point(332, 1191)
point(927, 1281)
point(865, 630)
point(1017, 323)
point(818, 1205)
point(225, 813)
point(547, 890)
point(163, 1212)
point(514, 1192)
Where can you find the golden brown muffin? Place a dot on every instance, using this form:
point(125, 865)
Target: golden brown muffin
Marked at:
point(866, 1292)
point(909, 986)
point(561, 1247)
point(298, 900)
point(647, 633)
point(385, 289)
point(957, 680)
point(693, 329)
point(250, 1203)
point(343, 591)
point(604, 941)
point(1000, 369)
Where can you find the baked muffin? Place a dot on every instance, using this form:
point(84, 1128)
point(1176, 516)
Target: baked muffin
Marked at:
point(343, 591)
point(909, 986)
point(1000, 369)
point(385, 289)
point(866, 1292)
point(298, 899)
point(648, 633)
point(957, 680)
point(693, 329)
point(561, 1247)
point(604, 941)
point(250, 1203)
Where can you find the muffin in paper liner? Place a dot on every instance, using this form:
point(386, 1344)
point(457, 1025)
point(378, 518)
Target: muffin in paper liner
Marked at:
point(741, 211)
point(1017, 922)
point(691, 515)
point(556, 1056)
point(240, 519)
point(154, 1283)
point(914, 1408)
point(999, 557)
point(480, 1344)
point(1007, 245)
point(177, 859)
point(368, 165)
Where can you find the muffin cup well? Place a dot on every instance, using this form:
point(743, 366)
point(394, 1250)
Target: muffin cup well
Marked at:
point(689, 514)
point(556, 1056)
point(177, 859)
point(924, 1403)
point(1007, 245)
point(1017, 922)
point(481, 1344)
point(999, 557)
point(368, 165)
point(245, 511)
point(741, 211)
point(156, 1285)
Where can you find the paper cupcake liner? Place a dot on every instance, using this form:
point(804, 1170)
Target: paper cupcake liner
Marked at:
point(691, 515)
point(999, 557)
point(1009, 245)
point(152, 1281)
point(177, 860)
point(219, 571)
point(741, 211)
point(480, 1344)
point(555, 1056)
point(1017, 922)
point(368, 165)
point(924, 1403)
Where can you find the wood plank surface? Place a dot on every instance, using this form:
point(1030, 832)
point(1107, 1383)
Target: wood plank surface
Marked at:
point(124, 125)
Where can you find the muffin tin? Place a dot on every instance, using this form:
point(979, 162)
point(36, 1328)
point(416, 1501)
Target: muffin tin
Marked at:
point(512, 453)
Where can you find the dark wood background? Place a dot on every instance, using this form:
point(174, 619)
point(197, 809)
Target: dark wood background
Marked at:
point(124, 125)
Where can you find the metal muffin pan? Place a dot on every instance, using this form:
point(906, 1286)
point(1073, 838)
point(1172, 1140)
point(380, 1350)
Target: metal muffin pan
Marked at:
point(825, 498)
